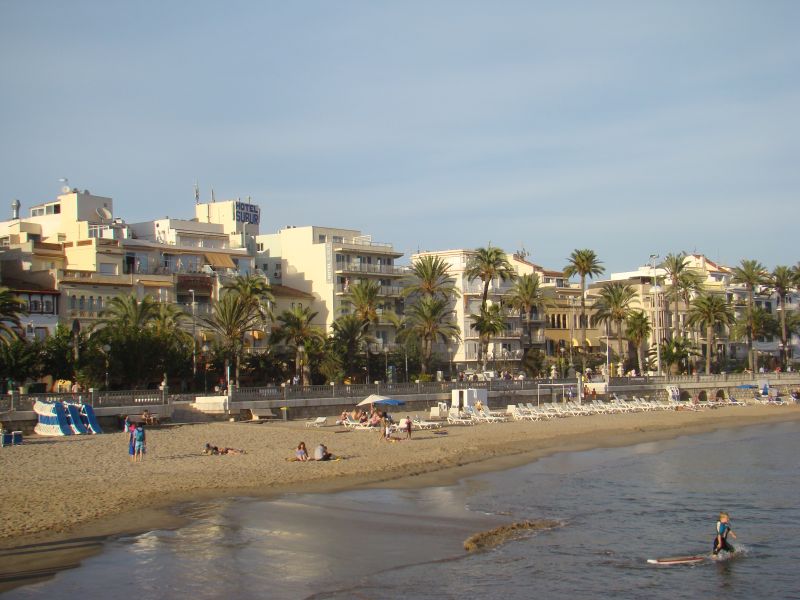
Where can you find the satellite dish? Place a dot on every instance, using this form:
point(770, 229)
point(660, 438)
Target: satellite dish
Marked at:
point(66, 189)
point(103, 213)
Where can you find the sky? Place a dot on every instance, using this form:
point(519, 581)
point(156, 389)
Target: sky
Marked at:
point(630, 128)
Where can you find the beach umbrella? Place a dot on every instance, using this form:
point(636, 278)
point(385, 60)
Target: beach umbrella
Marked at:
point(377, 399)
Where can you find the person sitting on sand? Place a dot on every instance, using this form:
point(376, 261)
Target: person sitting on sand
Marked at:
point(301, 453)
point(148, 418)
point(321, 453)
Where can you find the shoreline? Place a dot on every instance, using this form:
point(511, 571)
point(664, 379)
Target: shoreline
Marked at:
point(146, 496)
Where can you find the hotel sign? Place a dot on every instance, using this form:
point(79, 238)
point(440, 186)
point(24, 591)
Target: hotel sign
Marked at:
point(247, 213)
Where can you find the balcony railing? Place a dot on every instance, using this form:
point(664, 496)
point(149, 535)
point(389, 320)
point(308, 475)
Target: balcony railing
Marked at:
point(386, 290)
point(370, 268)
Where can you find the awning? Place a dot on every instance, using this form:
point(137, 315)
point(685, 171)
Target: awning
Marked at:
point(219, 260)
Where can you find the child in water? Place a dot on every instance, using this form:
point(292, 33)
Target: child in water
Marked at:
point(721, 539)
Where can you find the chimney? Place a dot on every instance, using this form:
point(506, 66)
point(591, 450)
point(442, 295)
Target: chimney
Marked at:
point(15, 209)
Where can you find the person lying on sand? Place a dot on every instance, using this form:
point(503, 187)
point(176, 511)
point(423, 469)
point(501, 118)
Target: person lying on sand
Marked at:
point(209, 449)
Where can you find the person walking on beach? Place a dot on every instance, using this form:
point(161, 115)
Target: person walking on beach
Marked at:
point(130, 429)
point(721, 539)
point(139, 441)
point(408, 427)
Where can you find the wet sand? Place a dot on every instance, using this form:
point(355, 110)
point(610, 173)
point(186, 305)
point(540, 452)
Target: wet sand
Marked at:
point(61, 496)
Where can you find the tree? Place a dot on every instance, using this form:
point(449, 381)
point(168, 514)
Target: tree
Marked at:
point(675, 353)
point(709, 311)
point(430, 276)
point(487, 264)
point(614, 306)
point(583, 263)
point(527, 297)
point(256, 289)
point(751, 274)
point(363, 297)
point(136, 350)
point(674, 265)
point(489, 323)
point(781, 281)
point(637, 330)
point(231, 318)
point(20, 360)
point(427, 321)
point(350, 338)
point(11, 308)
point(295, 329)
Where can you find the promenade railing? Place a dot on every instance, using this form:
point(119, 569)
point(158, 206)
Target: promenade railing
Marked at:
point(287, 393)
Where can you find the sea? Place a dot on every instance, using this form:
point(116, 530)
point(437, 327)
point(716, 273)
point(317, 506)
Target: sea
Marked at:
point(613, 509)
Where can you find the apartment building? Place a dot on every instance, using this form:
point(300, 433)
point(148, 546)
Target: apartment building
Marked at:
point(547, 328)
point(325, 261)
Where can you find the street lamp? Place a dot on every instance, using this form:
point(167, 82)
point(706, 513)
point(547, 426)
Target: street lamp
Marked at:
point(301, 350)
point(386, 362)
point(450, 352)
point(194, 341)
point(571, 326)
point(561, 364)
point(106, 350)
point(205, 349)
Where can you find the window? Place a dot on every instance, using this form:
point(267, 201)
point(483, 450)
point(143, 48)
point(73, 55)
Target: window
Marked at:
point(99, 303)
point(108, 269)
point(73, 302)
point(47, 305)
point(321, 238)
point(82, 303)
point(337, 239)
point(91, 302)
point(37, 212)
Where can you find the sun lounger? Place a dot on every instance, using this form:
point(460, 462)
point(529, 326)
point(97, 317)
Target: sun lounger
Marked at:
point(420, 424)
point(318, 422)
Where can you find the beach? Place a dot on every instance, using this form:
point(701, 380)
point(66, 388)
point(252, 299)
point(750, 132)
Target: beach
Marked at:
point(66, 494)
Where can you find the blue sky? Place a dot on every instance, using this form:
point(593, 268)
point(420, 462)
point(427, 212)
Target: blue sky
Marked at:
point(627, 127)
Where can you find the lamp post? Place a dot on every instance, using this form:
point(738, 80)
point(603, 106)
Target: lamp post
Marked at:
point(106, 350)
point(450, 352)
point(194, 341)
point(656, 331)
point(561, 363)
point(204, 349)
point(386, 362)
point(301, 351)
point(571, 326)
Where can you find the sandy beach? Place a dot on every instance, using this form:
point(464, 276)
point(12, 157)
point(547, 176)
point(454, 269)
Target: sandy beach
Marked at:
point(85, 485)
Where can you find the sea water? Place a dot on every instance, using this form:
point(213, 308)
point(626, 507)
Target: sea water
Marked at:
point(616, 508)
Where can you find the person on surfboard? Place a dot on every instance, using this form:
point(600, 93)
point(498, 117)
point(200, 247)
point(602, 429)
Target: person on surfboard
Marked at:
point(721, 539)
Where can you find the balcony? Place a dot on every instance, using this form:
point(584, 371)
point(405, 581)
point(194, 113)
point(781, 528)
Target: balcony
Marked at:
point(361, 245)
point(475, 288)
point(386, 290)
point(357, 268)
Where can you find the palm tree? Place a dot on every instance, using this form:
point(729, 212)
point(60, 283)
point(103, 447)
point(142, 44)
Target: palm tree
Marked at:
point(689, 283)
point(709, 311)
point(255, 288)
point(614, 306)
point(428, 321)
point(637, 330)
point(350, 337)
point(676, 352)
point(295, 328)
point(527, 297)
point(751, 274)
point(781, 281)
point(487, 264)
point(231, 318)
point(128, 313)
point(430, 276)
point(583, 263)
point(11, 308)
point(363, 297)
point(489, 323)
point(674, 265)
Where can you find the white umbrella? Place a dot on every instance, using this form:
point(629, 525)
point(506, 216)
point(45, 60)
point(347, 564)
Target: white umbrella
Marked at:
point(373, 399)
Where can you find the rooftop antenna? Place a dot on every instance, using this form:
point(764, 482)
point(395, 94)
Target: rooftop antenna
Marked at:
point(65, 188)
point(196, 193)
point(212, 195)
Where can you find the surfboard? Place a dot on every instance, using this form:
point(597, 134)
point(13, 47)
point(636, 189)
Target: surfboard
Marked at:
point(678, 560)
